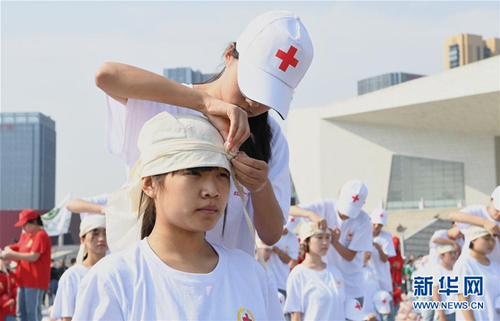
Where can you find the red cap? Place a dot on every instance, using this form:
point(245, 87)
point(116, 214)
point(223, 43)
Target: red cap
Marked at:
point(25, 216)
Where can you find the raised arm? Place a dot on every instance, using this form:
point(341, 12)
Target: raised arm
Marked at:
point(488, 225)
point(82, 206)
point(122, 82)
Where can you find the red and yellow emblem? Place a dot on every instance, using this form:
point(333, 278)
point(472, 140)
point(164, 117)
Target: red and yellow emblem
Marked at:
point(245, 315)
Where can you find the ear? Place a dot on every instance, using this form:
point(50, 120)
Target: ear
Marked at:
point(227, 54)
point(147, 187)
point(82, 239)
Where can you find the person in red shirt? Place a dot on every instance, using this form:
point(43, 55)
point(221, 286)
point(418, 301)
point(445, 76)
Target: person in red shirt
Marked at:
point(8, 292)
point(33, 252)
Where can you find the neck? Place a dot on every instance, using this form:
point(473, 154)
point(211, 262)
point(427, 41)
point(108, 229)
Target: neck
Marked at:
point(92, 259)
point(375, 234)
point(313, 261)
point(36, 229)
point(480, 257)
point(446, 265)
point(182, 250)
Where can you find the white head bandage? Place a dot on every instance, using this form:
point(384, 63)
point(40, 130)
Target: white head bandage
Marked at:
point(167, 143)
point(89, 224)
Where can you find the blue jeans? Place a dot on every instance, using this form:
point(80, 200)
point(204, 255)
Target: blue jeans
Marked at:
point(53, 290)
point(29, 304)
point(9, 318)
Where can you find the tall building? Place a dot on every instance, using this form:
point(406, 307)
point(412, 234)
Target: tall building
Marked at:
point(27, 161)
point(464, 49)
point(186, 75)
point(382, 81)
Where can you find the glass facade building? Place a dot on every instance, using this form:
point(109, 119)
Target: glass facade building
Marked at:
point(186, 75)
point(382, 81)
point(438, 183)
point(27, 161)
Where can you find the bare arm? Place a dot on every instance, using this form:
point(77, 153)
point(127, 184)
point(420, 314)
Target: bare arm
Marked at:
point(81, 206)
point(282, 255)
point(30, 257)
point(297, 211)
point(488, 225)
point(66, 319)
point(468, 314)
point(441, 241)
point(346, 254)
point(383, 256)
point(122, 82)
point(268, 216)
point(296, 316)
point(436, 297)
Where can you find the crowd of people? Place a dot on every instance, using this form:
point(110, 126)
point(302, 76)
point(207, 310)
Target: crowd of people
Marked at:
point(203, 228)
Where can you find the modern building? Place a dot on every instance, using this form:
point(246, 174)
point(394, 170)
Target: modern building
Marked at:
point(186, 75)
point(434, 141)
point(464, 49)
point(382, 81)
point(27, 161)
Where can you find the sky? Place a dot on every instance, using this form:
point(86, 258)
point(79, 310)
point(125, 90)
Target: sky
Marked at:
point(51, 50)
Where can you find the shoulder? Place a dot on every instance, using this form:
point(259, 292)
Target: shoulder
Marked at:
point(278, 138)
point(41, 234)
point(118, 265)
point(386, 236)
point(77, 271)
point(476, 210)
point(363, 219)
point(297, 272)
point(239, 258)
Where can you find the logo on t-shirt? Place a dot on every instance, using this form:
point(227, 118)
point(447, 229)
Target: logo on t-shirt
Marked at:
point(287, 247)
point(30, 242)
point(339, 283)
point(349, 236)
point(245, 315)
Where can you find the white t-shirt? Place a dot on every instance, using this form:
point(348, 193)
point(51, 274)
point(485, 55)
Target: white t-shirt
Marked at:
point(99, 199)
point(135, 284)
point(64, 303)
point(354, 235)
point(480, 211)
point(440, 271)
point(434, 258)
point(491, 276)
point(371, 287)
point(383, 269)
point(290, 245)
point(319, 295)
point(123, 126)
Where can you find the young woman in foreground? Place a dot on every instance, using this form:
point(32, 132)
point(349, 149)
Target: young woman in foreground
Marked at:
point(180, 185)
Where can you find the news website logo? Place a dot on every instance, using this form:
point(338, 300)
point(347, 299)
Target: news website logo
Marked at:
point(423, 286)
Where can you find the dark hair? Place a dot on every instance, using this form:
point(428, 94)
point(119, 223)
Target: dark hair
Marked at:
point(306, 244)
point(258, 146)
point(471, 245)
point(37, 221)
point(147, 205)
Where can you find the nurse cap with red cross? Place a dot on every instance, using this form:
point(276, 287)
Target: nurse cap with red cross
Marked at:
point(275, 52)
point(379, 216)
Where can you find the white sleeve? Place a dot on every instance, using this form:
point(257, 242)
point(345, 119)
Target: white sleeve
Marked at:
point(96, 300)
point(68, 290)
point(293, 302)
point(57, 307)
point(98, 199)
point(360, 242)
point(125, 122)
point(274, 309)
point(293, 250)
point(279, 173)
point(461, 271)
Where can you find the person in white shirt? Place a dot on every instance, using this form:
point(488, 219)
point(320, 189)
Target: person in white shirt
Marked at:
point(371, 287)
point(477, 263)
point(448, 255)
point(486, 216)
point(92, 249)
point(345, 216)
point(283, 252)
point(178, 190)
point(315, 290)
point(383, 249)
point(452, 236)
point(262, 70)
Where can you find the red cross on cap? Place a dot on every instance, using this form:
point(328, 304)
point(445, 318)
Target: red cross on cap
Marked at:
point(288, 58)
point(358, 306)
point(355, 198)
point(384, 301)
point(292, 219)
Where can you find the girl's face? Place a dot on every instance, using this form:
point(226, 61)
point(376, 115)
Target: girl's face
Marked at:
point(230, 91)
point(484, 245)
point(29, 227)
point(494, 213)
point(95, 241)
point(192, 199)
point(319, 243)
point(449, 257)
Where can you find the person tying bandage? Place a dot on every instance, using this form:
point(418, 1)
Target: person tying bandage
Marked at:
point(161, 265)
